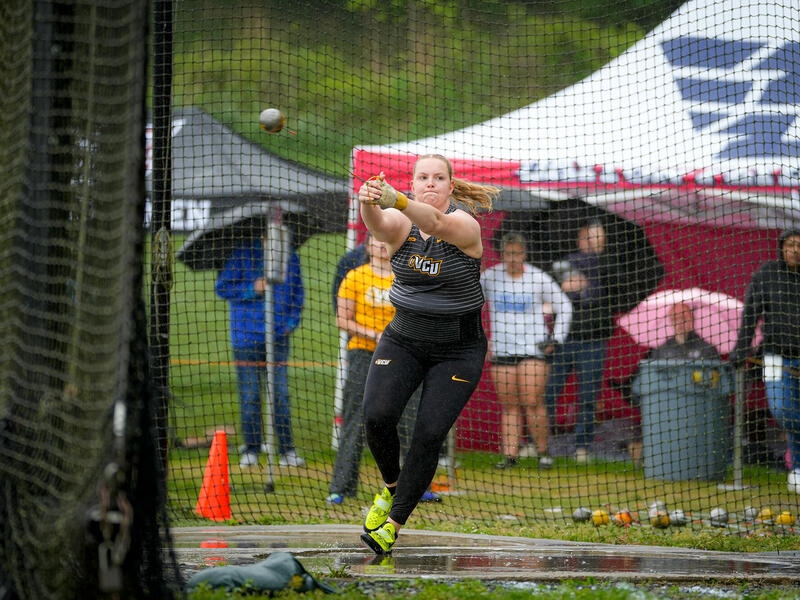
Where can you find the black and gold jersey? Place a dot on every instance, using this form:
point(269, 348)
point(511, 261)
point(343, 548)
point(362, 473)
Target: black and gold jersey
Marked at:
point(435, 277)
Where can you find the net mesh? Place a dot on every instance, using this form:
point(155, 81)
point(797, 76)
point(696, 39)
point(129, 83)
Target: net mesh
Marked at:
point(73, 338)
point(668, 127)
point(647, 157)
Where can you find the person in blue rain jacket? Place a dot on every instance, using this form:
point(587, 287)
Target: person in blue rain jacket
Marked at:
point(242, 284)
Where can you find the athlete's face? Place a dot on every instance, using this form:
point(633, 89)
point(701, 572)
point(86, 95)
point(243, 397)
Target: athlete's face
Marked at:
point(432, 183)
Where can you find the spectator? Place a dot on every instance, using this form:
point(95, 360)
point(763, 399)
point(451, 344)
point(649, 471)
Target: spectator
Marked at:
point(363, 312)
point(774, 296)
point(242, 284)
point(586, 283)
point(435, 338)
point(350, 260)
point(684, 345)
point(516, 293)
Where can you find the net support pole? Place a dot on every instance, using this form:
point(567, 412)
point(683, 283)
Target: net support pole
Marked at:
point(161, 276)
point(269, 432)
point(738, 430)
point(738, 426)
point(451, 457)
point(353, 215)
point(338, 392)
point(275, 247)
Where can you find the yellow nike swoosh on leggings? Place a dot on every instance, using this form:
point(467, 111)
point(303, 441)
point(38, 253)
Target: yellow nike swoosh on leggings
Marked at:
point(454, 378)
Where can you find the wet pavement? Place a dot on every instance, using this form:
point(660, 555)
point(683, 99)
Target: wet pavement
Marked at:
point(335, 550)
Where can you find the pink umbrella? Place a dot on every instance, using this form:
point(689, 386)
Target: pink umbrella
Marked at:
point(716, 318)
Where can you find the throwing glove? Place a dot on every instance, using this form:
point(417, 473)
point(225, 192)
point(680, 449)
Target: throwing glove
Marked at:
point(391, 198)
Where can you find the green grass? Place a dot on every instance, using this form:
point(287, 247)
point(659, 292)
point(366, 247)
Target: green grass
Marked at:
point(588, 589)
point(526, 504)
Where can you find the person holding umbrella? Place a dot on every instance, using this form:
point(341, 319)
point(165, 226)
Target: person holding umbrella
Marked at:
point(241, 282)
point(774, 296)
point(586, 280)
point(685, 344)
point(435, 338)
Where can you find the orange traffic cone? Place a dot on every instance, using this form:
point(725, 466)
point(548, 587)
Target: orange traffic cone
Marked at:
point(215, 497)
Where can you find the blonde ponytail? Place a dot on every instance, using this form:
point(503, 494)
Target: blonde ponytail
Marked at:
point(474, 196)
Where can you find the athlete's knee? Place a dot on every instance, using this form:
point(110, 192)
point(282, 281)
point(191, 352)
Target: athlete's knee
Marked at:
point(428, 437)
point(373, 423)
point(378, 419)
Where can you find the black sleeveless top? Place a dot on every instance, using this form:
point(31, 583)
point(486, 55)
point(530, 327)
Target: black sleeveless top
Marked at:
point(435, 277)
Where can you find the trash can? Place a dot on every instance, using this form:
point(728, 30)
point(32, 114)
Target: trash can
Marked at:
point(686, 414)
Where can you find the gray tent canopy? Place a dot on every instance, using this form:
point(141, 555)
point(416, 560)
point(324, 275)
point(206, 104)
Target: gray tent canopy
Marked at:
point(220, 169)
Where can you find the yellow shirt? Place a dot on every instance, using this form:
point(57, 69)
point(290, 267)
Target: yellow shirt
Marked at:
point(371, 295)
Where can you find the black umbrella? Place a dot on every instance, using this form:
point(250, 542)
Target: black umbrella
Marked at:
point(552, 233)
point(209, 247)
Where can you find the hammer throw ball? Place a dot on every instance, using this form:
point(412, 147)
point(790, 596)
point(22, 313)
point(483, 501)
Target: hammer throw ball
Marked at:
point(750, 513)
point(766, 515)
point(600, 517)
point(271, 120)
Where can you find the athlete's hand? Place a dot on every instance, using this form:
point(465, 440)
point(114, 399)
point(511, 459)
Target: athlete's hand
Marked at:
point(376, 191)
point(391, 198)
point(370, 191)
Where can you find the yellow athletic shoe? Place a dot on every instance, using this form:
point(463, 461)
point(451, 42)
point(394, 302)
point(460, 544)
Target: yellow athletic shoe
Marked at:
point(379, 511)
point(382, 539)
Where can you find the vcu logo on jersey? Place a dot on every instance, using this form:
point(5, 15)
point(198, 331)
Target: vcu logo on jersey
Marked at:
point(425, 265)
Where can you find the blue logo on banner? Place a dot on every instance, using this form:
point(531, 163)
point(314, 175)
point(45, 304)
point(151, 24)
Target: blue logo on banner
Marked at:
point(760, 132)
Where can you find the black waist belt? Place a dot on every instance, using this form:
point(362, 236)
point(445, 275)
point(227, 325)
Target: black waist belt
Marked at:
point(437, 328)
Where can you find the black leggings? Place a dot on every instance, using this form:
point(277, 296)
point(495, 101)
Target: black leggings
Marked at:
point(449, 373)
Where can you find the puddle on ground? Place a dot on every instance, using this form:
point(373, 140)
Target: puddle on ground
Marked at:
point(436, 554)
point(496, 564)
